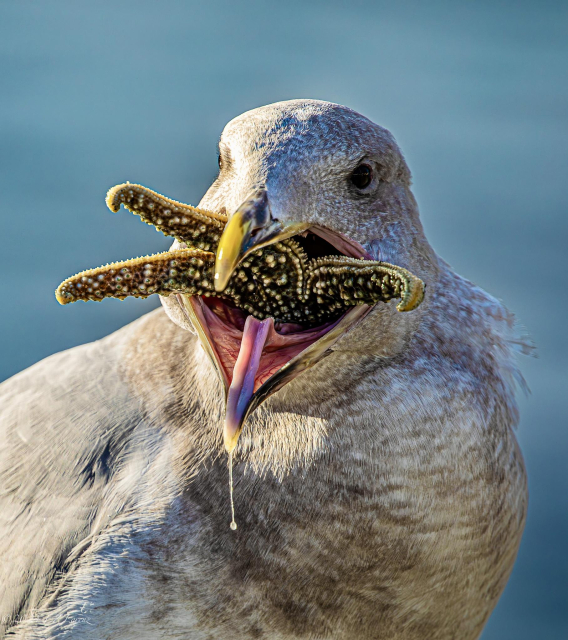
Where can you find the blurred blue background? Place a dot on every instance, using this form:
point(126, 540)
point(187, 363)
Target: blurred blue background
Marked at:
point(97, 93)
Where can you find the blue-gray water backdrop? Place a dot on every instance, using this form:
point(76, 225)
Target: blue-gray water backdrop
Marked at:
point(96, 93)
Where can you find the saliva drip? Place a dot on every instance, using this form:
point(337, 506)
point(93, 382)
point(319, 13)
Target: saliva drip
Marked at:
point(233, 524)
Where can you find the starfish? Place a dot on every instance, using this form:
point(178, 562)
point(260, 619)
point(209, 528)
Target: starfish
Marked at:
point(276, 281)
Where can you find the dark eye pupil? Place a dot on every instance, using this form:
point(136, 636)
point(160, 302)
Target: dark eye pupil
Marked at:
point(362, 176)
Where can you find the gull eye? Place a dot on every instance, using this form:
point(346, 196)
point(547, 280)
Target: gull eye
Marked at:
point(362, 176)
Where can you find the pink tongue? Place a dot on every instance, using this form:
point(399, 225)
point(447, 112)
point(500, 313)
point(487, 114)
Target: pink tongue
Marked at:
point(241, 390)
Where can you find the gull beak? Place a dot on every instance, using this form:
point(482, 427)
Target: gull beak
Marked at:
point(249, 228)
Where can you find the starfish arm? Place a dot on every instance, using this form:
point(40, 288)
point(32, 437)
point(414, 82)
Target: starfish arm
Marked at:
point(184, 270)
point(356, 281)
point(267, 283)
point(197, 228)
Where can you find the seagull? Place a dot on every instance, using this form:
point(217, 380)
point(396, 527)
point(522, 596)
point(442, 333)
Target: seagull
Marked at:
point(379, 489)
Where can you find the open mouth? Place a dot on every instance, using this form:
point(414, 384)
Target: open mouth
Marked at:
point(255, 357)
point(267, 298)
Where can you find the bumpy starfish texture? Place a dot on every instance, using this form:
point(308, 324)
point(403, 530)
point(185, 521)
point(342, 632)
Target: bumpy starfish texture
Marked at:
point(197, 228)
point(277, 281)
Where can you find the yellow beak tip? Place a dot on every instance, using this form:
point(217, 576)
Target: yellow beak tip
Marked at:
point(221, 279)
point(230, 443)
